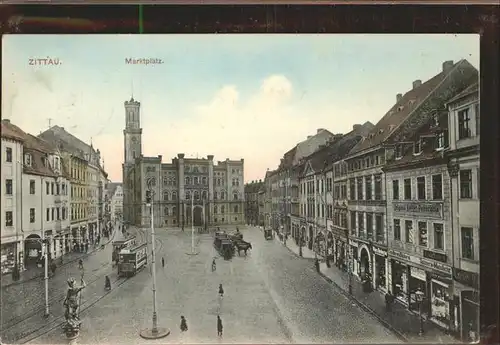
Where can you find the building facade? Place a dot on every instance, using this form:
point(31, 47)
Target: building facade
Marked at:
point(367, 182)
point(115, 194)
point(11, 201)
point(186, 191)
point(463, 157)
point(252, 191)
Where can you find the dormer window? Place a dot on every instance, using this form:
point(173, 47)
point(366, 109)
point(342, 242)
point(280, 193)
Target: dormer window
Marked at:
point(417, 147)
point(441, 140)
point(27, 159)
point(399, 151)
point(435, 121)
point(400, 108)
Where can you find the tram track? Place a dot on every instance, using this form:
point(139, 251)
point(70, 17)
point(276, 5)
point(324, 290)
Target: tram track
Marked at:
point(32, 334)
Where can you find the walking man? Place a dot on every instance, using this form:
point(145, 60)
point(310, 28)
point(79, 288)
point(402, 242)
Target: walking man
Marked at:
point(184, 326)
point(221, 291)
point(163, 262)
point(214, 267)
point(219, 326)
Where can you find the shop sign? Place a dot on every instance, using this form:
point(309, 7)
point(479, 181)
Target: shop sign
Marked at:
point(467, 278)
point(435, 256)
point(418, 273)
point(404, 256)
point(436, 265)
point(379, 252)
point(428, 209)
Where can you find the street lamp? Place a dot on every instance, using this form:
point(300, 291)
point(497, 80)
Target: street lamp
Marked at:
point(420, 298)
point(349, 262)
point(193, 252)
point(155, 332)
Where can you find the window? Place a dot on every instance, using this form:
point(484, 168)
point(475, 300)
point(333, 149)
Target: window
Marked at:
point(353, 222)
point(438, 236)
point(407, 187)
point(174, 211)
point(47, 218)
point(379, 227)
point(399, 151)
point(422, 233)
point(478, 121)
point(27, 159)
point(360, 188)
point(464, 124)
point(174, 195)
point(204, 195)
point(195, 180)
point(352, 189)
point(397, 229)
point(395, 189)
point(204, 179)
point(8, 218)
point(222, 195)
point(236, 209)
point(52, 188)
point(421, 188)
point(435, 121)
point(8, 154)
point(188, 195)
point(32, 215)
point(437, 187)
point(466, 184)
point(8, 187)
point(57, 189)
point(57, 213)
point(165, 211)
point(188, 180)
point(417, 147)
point(369, 225)
point(440, 140)
point(467, 243)
point(215, 209)
point(165, 196)
point(361, 224)
point(368, 187)
point(409, 231)
point(378, 187)
point(222, 209)
point(196, 195)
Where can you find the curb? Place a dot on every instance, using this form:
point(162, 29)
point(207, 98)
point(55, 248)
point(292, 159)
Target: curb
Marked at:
point(84, 255)
point(366, 308)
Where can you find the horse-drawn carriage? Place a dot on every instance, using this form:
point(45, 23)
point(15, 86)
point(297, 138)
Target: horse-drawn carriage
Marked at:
point(268, 234)
point(227, 244)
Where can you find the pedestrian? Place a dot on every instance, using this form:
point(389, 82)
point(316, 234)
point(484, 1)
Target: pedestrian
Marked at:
point(214, 267)
point(221, 290)
point(163, 262)
point(219, 326)
point(80, 264)
point(184, 326)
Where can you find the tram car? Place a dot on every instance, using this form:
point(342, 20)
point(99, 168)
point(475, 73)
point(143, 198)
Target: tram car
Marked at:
point(122, 244)
point(132, 260)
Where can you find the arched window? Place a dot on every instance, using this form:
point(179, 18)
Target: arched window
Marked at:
point(165, 211)
point(195, 180)
point(196, 195)
point(235, 196)
point(188, 195)
point(236, 209)
point(188, 180)
point(233, 182)
point(204, 195)
point(218, 182)
point(204, 181)
point(222, 209)
point(174, 211)
point(174, 195)
point(215, 209)
point(222, 195)
point(195, 169)
point(215, 195)
point(165, 196)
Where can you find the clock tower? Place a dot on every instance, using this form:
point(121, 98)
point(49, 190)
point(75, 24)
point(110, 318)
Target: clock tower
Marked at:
point(133, 132)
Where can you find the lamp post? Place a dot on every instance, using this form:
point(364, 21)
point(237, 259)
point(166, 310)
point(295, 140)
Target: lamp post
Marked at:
point(193, 252)
point(420, 298)
point(155, 332)
point(349, 262)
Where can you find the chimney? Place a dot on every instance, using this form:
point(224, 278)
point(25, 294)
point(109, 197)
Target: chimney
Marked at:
point(160, 157)
point(417, 83)
point(309, 136)
point(180, 155)
point(447, 66)
point(399, 97)
point(210, 157)
point(356, 127)
point(319, 130)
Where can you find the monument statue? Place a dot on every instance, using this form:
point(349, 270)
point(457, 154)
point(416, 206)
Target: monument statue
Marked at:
point(72, 325)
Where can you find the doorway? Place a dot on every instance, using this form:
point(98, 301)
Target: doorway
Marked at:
point(364, 261)
point(198, 216)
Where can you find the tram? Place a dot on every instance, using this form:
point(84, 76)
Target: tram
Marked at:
point(122, 244)
point(132, 260)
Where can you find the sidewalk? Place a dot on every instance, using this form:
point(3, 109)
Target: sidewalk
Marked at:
point(294, 248)
point(400, 320)
point(38, 272)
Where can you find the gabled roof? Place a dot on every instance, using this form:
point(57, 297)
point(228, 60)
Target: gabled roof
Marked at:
point(470, 90)
point(310, 145)
point(11, 131)
point(403, 108)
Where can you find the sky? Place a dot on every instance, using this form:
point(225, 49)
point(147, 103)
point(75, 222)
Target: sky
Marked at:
point(233, 96)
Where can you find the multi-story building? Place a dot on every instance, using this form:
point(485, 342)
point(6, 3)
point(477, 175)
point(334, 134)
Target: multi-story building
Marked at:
point(95, 191)
point(463, 156)
point(11, 201)
point(82, 163)
point(268, 207)
point(261, 199)
point(252, 190)
point(316, 189)
point(215, 192)
point(367, 183)
point(115, 194)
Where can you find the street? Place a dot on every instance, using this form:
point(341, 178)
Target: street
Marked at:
point(270, 296)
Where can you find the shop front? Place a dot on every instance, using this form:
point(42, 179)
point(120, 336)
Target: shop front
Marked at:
point(330, 245)
point(466, 287)
point(418, 282)
point(8, 257)
point(441, 301)
point(320, 244)
point(380, 274)
point(33, 250)
point(399, 287)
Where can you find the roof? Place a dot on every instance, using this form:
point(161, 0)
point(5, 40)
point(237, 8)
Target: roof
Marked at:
point(470, 90)
point(253, 187)
point(400, 111)
point(112, 187)
point(288, 158)
point(11, 131)
point(310, 145)
point(324, 158)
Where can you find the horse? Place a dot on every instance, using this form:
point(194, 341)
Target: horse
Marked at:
point(245, 246)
